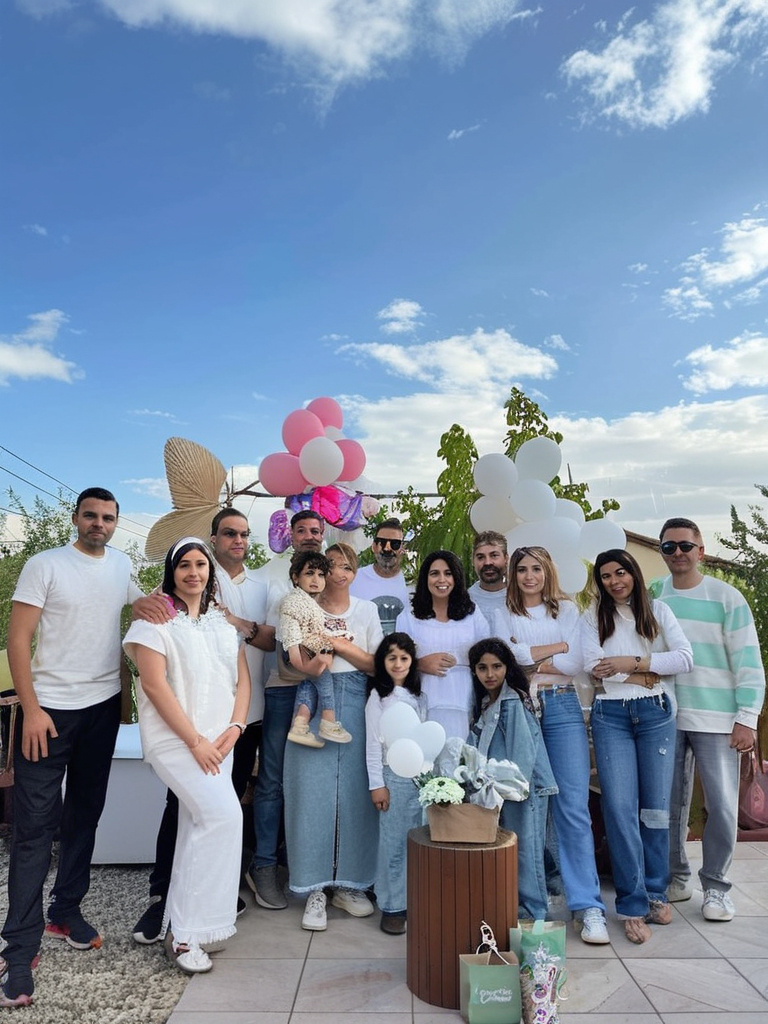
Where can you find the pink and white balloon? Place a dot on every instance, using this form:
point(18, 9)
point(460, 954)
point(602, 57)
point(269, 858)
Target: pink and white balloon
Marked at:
point(317, 452)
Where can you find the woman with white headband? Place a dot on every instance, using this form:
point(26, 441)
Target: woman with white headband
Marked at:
point(193, 695)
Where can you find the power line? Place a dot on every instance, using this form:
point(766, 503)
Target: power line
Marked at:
point(37, 469)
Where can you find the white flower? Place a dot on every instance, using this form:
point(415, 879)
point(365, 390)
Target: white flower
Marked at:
point(441, 791)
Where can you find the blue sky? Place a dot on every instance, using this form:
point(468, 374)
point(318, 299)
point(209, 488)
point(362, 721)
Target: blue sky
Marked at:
point(214, 211)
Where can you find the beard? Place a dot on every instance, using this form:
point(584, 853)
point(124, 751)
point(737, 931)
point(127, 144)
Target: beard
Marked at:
point(491, 574)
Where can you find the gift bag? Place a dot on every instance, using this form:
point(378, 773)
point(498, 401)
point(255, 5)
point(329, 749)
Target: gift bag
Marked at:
point(753, 791)
point(540, 947)
point(489, 983)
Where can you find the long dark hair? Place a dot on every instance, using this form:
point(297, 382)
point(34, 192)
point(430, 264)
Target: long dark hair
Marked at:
point(639, 601)
point(172, 559)
point(515, 677)
point(380, 680)
point(460, 604)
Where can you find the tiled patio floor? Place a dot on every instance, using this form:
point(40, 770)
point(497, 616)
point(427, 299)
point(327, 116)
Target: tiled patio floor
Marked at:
point(691, 971)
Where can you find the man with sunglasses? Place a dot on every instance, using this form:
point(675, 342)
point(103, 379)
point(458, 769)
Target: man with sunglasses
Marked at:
point(718, 706)
point(383, 582)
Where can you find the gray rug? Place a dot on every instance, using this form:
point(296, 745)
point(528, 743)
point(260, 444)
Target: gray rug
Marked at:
point(121, 983)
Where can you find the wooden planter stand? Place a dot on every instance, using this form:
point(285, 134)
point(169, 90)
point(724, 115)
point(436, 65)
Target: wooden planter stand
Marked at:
point(451, 889)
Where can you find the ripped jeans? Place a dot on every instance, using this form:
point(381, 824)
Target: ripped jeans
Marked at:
point(635, 754)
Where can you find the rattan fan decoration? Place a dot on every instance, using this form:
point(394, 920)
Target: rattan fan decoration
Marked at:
point(196, 479)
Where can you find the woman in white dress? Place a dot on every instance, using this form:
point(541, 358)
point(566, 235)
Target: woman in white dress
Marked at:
point(444, 623)
point(193, 696)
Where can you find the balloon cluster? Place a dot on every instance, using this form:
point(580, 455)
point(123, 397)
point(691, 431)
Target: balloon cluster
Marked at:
point(317, 453)
point(412, 746)
point(516, 500)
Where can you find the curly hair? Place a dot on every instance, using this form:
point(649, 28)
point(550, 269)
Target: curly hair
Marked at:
point(460, 604)
point(303, 559)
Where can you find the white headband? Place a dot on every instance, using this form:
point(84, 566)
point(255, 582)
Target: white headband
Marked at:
point(186, 540)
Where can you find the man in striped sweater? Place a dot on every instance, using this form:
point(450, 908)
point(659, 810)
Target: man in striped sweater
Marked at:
point(718, 706)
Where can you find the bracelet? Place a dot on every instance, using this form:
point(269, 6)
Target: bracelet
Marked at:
point(253, 634)
point(637, 662)
point(197, 741)
point(238, 725)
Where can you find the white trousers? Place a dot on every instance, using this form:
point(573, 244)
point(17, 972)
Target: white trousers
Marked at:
point(202, 897)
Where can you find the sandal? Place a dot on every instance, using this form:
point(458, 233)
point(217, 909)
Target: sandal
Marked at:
point(637, 930)
point(190, 959)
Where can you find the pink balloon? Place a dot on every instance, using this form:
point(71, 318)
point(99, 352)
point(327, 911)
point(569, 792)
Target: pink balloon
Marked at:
point(280, 474)
point(328, 411)
point(354, 459)
point(299, 427)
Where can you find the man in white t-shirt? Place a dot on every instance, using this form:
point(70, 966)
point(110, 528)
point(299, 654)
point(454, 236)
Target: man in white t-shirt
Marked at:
point(383, 582)
point(245, 597)
point(489, 558)
point(71, 597)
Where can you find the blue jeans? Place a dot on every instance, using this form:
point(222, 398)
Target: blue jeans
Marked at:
point(83, 750)
point(635, 752)
point(718, 767)
point(565, 737)
point(404, 814)
point(268, 790)
point(311, 691)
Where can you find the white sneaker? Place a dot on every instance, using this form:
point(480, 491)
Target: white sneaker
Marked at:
point(593, 928)
point(717, 906)
point(191, 960)
point(354, 901)
point(680, 890)
point(333, 731)
point(315, 918)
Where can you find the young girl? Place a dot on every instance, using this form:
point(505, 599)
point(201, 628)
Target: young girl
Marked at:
point(395, 678)
point(307, 645)
point(193, 695)
point(506, 729)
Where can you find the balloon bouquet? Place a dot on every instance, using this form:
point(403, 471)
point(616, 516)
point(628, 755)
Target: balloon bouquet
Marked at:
point(516, 500)
point(321, 469)
point(412, 745)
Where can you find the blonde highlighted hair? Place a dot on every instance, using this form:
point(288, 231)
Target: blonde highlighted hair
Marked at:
point(345, 550)
point(552, 594)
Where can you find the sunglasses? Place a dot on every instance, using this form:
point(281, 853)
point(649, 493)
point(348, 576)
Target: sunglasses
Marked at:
point(669, 547)
point(383, 541)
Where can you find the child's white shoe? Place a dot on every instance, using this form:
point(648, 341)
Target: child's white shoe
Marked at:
point(334, 731)
point(301, 733)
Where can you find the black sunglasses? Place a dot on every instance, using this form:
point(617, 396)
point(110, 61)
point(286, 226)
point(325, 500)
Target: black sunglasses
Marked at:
point(383, 541)
point(669, 547)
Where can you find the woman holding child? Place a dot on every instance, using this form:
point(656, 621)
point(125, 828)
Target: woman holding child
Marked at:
point(331, 823)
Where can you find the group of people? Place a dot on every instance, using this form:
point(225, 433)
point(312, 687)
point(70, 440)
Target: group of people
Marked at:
point(299, 670)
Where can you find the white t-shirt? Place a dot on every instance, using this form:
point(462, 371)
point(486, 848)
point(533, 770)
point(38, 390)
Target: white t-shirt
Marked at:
point(390, 595)
point(488, 601)
point(362, 620)
point(248, 600)
point(77, 661)
point(201, 669)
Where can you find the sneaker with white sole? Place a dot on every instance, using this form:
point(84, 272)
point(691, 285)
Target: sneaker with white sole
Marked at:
point(354, 901)
point(149, 927)
point(266, 889)
point(680, 890)
point(717, 905)
point(591, 922)
point(334, 731)
point(315, 918)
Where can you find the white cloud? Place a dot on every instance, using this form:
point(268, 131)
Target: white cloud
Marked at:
point(558, 342)
point(660, 70)
point(152, 486)
point(154, 412)
point(742, 257)
point(540, 293)
point(24, 355)
point(638, 268)
point(36, 229)
point(741, 362)
point(332, 41)
point(484, 361)
point(401, 316)
point(456, 133)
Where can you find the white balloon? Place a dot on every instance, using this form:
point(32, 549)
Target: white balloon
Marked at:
point(405, 758)
point(572, 574)
point(320, 461)
point(531, 499)
point(569, 510)
point(489, 513)
point(539, 459)
point(398, 722)
point(600, 535)
point(495, 475)
point(431, 738)
point(334, 433)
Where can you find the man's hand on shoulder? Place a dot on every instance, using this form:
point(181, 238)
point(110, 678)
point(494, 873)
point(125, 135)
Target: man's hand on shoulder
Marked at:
point(156, 608)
